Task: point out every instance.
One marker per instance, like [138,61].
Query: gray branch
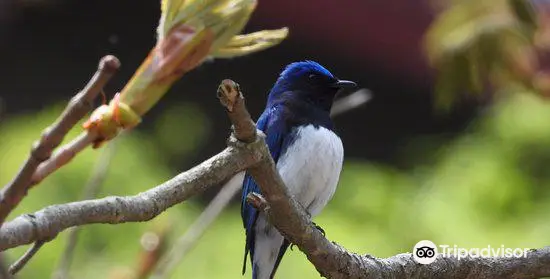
[91,189]
[247,150]
[535,265]
[190,238]
[42,149]
[50,221]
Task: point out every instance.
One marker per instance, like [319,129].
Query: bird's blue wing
[271,124]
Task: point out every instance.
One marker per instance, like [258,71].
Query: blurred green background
[473,176]
[487,187]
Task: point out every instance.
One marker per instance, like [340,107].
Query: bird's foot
[321,230]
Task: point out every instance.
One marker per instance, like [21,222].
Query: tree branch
[62,156]
[231,97]
[187,241]
[535,265]
[333,261]
[336,262]
[52,136]
[19,264]
[330,259]
[50,221]
[90,191]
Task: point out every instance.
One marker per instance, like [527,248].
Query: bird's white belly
[311,167]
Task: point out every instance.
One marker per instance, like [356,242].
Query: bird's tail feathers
[282,251]
[269,247]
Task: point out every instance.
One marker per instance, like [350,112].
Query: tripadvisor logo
[425,252]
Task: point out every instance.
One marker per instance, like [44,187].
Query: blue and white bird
[309,155]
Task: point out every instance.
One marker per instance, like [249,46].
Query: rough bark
[247,150]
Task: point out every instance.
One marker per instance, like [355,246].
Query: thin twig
[62,156]
[91,189]
[186,242]
[350,102]
[52,136]
[19,264]
[47,223]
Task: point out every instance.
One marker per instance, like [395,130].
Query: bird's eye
[312,76]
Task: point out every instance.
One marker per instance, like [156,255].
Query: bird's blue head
[309,82]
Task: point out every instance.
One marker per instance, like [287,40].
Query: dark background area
[50,48]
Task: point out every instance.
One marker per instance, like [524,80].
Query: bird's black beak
[344,84]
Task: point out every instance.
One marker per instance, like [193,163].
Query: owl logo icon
[424,252]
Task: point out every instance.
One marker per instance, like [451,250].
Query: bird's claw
[321,230]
